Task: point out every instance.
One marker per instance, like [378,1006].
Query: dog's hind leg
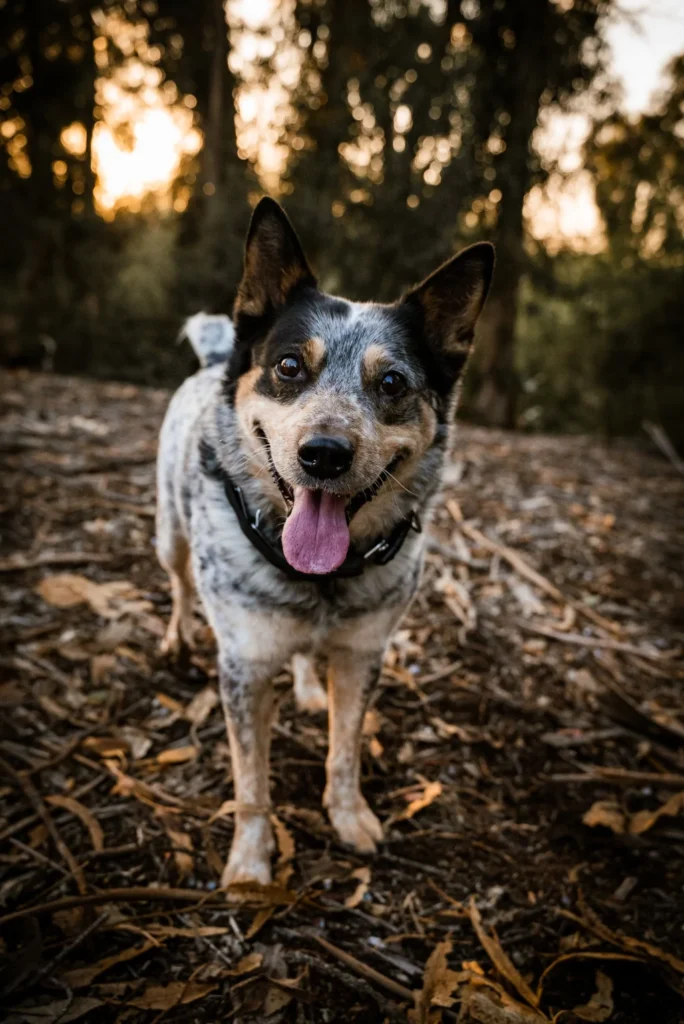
[351,678]
[308,689]
[175,558]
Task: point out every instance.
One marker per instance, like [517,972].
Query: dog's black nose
[326,457]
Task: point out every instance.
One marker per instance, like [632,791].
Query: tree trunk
[496,384]
[220,103]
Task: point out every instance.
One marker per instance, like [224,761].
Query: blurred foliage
[600,338]
[404,130]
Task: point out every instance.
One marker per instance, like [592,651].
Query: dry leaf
[52,707]
[260,919]
[271,895]
[68,803]
[445,730]
[110,600]
[106,746]
[249,963]
[644,820]
[81,977]
[606,813]
[167,931]
[276,999]
[499,958]
[150,795]
[226,808]
[478,1007]
[177,755]
[595,924]
[473,966]
[100,666]
[138,742]
[69,921]
[371,723]
[183,848]
[61,1012]
[65,590]
[176,993]
[286,844]
[201,706]
[170,703]
[363,874]
[439,982]
[431,791]
[600,1006]
[582,954]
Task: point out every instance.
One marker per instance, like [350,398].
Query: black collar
[380,552]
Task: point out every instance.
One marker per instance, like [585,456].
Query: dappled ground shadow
[526,754]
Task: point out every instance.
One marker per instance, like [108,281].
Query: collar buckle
[379,548]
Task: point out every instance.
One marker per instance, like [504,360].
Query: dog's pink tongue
[316,535]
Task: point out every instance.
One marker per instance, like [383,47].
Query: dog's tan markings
[354,665]
[376,358]
[308,690]
[456,328]
[246,385]
[453,296]
[179,631]
[314,352]
[250,739]
[380,447]
[253,646]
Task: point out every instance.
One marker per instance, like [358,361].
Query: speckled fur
[261,619]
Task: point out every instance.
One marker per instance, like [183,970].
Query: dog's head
[341,401]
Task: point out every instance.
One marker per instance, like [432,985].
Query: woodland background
[526,749]
[393,132]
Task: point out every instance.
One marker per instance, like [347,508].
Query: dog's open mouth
[316,535]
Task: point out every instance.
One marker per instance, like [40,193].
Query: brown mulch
[526,754]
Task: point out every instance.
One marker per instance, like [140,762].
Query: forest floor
[526,754]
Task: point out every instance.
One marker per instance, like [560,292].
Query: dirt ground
[526,754]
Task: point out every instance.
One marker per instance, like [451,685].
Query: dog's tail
[211,336]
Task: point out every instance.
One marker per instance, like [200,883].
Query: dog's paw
[250,854]
[308,689]
[239,869]
[356,826]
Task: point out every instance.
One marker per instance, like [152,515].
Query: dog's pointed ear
[451,300]
[274,262]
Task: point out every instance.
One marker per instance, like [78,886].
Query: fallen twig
[595,773]
[517,562]
[591,921]
[136,894]
[594,642]
[34,798]
[31,819]
[363,969]
[76,741]
[19,562]
[349,981]
[65,951]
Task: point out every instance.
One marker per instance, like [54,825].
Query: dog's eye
[392,384]
[289,367]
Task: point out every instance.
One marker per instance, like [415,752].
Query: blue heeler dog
[295,471]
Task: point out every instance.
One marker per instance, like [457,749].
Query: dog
[295,471]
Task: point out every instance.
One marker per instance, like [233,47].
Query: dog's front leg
[352,677]
[248,702]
